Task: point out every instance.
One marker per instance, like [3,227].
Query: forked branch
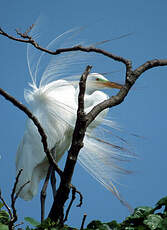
[57,210]
[12,211]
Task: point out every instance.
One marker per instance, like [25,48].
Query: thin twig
[74,191]
[14,197]
[80,196]
[6,206]
[83,221]
[70,204]
[15,184]
[25,34]
[63,50]
[20,189]
[43,192]
[18,225]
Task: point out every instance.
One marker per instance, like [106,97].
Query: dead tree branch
[37,124]
[6,206]
[74,191]
[57,212]
[14,198]
[83,221]
[70,204]
[12,211]
[43,192]
[131,78]
[28,39]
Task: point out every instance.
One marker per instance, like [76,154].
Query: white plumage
[54,102]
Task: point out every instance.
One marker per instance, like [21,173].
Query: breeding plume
[53,100]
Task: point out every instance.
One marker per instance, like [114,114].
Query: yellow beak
[110,84]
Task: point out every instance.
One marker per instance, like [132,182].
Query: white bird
[54,102]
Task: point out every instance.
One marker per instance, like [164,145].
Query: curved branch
[131,78]
[112,101]
[37,124]
[28,39]
[149,65]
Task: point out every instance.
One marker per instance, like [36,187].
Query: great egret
[54,102]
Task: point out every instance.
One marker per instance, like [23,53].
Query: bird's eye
[97,79]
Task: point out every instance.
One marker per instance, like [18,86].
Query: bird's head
[97,81]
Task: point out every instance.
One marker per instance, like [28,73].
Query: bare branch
[2,32]
[83,221]
[81,198]
[57,212]
[149,65]
[112,101]
[37,124]
[6,206]
[74,191]
[28,39]
[25,34]
[43,192]
[20,189]
[14,187]
[131,77]
[14,197]
[137,72]
[70,204]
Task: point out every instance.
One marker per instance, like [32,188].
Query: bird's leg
[53,182]
[43,192]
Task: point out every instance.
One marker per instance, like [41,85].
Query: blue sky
[143,112]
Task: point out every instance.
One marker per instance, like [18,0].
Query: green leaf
[138,216]
[94,224]
[130,228]
[1,205]
[28,228]
[163,224]
[4,217]
[113,224]
[4,227]
[98,225]
[31,221]
[152,221]
[141,212]
[161,202]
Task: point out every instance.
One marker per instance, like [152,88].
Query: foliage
[143,218]
[4,218]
